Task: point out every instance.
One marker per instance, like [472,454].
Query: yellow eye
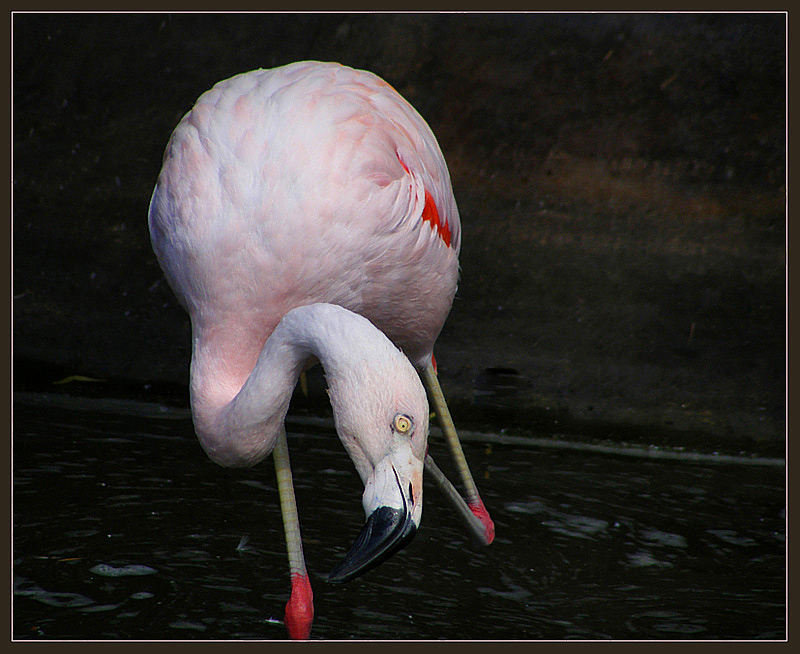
[403,423]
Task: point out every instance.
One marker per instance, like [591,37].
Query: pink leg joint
[299,609]
[477,507]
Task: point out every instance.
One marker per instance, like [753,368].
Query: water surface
[123,529]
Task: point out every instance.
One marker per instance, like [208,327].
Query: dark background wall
[621,182]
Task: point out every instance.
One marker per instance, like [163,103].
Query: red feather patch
[430,213]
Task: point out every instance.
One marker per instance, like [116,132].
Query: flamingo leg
[474,524]
[478,520]
[300,607]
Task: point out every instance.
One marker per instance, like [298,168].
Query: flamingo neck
[237,415]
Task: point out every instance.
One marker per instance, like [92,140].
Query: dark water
[124,530]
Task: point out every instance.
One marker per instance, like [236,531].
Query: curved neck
[238,413]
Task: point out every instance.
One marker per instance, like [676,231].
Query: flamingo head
[381,414]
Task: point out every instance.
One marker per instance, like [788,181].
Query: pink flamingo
[305,214]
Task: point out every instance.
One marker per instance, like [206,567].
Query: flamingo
[305,214]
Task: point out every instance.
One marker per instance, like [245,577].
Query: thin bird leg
[473,498]
[300,607]
[475,526]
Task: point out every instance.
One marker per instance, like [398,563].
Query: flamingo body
[303,184]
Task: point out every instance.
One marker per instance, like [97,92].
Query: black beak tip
[387,531]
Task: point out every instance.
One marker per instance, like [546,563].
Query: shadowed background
[620,180]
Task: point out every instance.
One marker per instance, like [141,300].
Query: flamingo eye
[402,423]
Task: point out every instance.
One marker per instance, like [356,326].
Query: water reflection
[124,529]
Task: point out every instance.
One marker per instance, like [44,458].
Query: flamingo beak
[388,530]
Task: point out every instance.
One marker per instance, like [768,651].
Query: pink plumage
[303,184]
